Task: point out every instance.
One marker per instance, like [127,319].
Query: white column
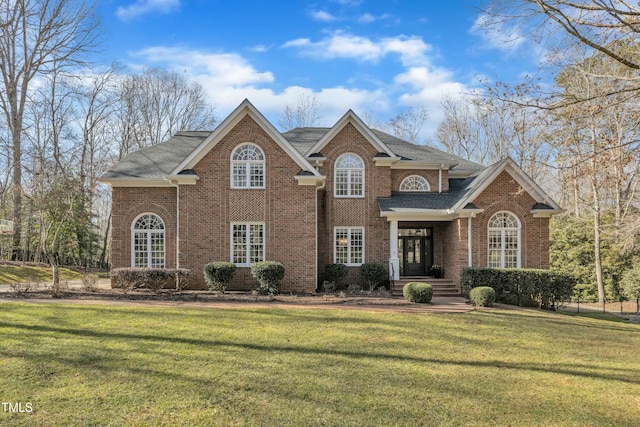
[394,263]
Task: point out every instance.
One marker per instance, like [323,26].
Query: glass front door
[415,251]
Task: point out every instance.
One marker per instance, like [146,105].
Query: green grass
[20,273]
[115,365]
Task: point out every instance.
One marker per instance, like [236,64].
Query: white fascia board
[183,179]
[245,108]
[351,117]
[419,215]
[137,182]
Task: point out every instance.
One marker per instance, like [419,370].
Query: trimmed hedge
[150,278]
[541,288]
[419,292]
[484,296]
[268,274]
[218,274]
[374,274]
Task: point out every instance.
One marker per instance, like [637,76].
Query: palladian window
[349,176]
[148,247]
[414,183]
[504,241]
[247,167]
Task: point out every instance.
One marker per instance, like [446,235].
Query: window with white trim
[247,243]
[147,242]
[349,245]
[349,176]
[415,183]
[504,241]
[247,167]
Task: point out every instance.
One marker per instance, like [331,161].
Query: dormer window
[247,167]
[349,176]
[415,183]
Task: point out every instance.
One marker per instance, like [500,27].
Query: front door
[415,250]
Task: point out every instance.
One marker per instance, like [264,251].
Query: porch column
[394,263]
[469,242]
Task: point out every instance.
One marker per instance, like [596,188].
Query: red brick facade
[299,220]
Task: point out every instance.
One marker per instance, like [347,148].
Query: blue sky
[375,57]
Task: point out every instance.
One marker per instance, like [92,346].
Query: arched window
[147,246]
[414,183]
[349,176]
[247,167]
[504,241]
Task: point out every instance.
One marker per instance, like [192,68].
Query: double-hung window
[247,243]
[348,245]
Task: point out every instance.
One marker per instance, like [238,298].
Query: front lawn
[16,273]
[117,365]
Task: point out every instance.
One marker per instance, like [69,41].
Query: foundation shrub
[374,274]
[419,292]
[483,296]
[218,274]
[150,278]
[335,273]
[269,274]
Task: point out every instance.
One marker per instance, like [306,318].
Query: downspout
[440,179]
[318,188]
[469,241]
[175,184]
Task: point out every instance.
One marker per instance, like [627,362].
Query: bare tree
[407,124]
[36,37]
[304,113]
[158,103]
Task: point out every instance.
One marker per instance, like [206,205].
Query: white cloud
[367,18]
[497,35]
[143,7]
[412,50]
[322,16]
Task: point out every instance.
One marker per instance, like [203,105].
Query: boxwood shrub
[542,288]
[218,274]
[484,296]
[335,273]
[374,274]
[418,292]
[268,274]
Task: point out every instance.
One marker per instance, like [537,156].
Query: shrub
[418,292]
[151,278]
[329,287]
[542,288]
[268,274]
[58,289]
[335,272]
[374,274]
[89,282]
[218,275]
[484,296]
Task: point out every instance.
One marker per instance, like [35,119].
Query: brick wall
[505,194]
[287,210]
[128,204]
[354,212]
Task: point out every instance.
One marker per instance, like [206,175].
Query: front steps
[441,287]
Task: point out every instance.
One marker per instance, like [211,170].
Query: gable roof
[244,109]
[351,117]
[462,193]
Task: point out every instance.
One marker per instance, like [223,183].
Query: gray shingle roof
[159,160]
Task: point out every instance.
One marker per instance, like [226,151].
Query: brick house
[314,196]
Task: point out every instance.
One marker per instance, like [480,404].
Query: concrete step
[441,287]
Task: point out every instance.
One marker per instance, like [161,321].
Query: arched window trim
[407,181]
[500,246]
[348,182]
[247,173]
[144,238]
